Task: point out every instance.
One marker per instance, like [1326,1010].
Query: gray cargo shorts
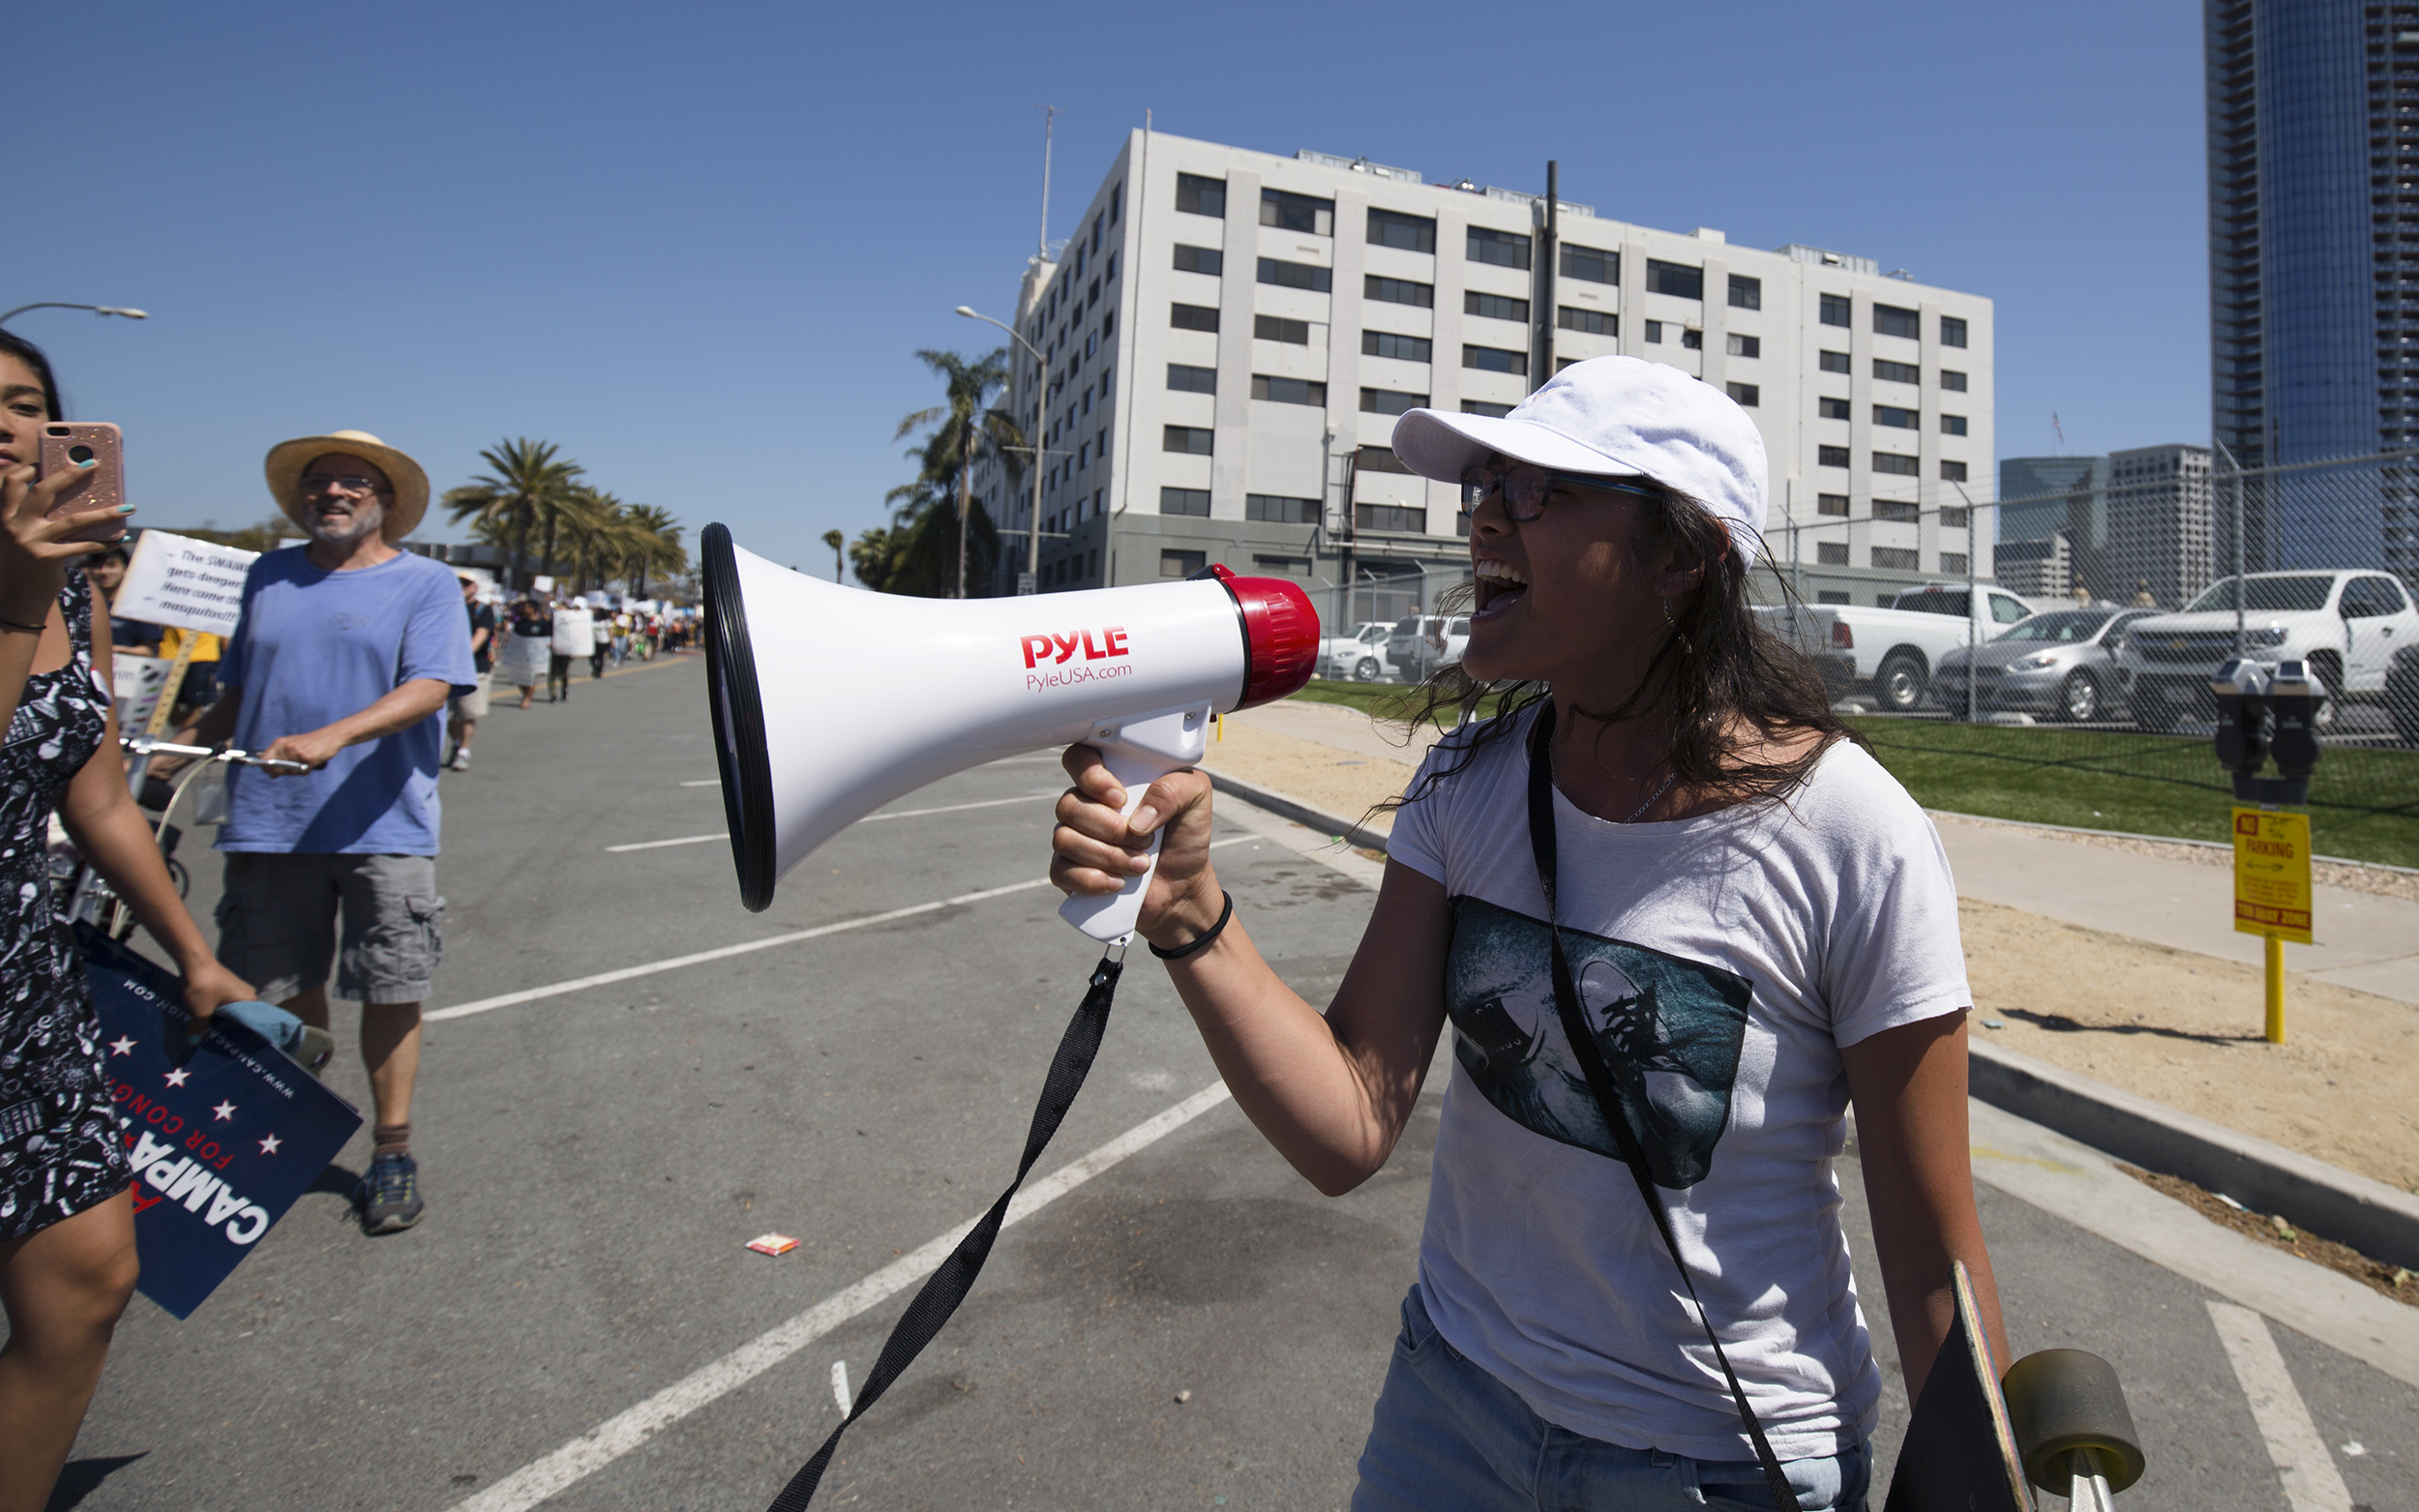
[278,919]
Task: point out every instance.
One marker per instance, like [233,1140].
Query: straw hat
[288,460]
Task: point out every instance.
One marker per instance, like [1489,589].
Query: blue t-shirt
[315,646]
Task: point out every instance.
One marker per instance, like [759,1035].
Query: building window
[1835,311]
[1276,328]
[1892,462]
[1480,406]
[1281,566]
[1393,228]
[1896,372]
[1391,517]
[1117,204]
[1185,501]
[1900,419]
[1596,322]
[1893,320]
[1953,330]
[1289,390]
[1953,472]
[1825,504]
[1835,362]
[1901,511]
[1676,279]
[1894,558]
[1746,395]
[1831,456]
[1185,439]
[1295,275]
[1199,259]
[1952,380]
[1494,358]
[1388,402]
[1745,345]
[1655,332]
[1193,317]
[1952,425]
[1494,307]
[1827,408]
[1953,562]
[1276,510]
[1829,554]
[1691,338]
[1398,292]
[1560,363]
[1402,348]
[1181,564]
[1503,248]
[1297,212]
[1746,293]
[1377,459]
[1831,596]
[1199,195]
[1951,519]
[1593,266]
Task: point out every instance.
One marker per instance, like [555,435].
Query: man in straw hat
[344,659]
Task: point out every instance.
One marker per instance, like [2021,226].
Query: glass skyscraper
[2314,261]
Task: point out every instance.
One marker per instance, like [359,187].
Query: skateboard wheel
[2063,1400]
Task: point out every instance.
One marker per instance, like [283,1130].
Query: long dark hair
[14,346]
[1719,668]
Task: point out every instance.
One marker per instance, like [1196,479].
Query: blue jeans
[1448,1434]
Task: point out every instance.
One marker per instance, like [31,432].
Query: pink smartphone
[65,448]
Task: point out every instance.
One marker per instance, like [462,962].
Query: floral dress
[59,1147]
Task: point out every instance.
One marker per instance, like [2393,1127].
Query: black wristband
[1212,933]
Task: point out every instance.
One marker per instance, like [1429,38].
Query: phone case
[66,444]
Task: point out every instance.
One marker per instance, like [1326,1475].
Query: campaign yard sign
[181,581]
[224,1137]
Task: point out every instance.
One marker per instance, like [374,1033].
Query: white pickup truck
[1889,654]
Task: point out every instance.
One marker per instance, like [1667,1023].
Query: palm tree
[527,481]
[835,540]
[942,495]
[653,546]
[875,555]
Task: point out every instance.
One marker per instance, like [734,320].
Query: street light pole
[1032,533]
[97,309]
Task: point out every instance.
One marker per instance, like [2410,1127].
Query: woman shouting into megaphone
[1679,920]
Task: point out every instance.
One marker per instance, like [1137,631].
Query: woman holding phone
[1726,926]
[67,1229]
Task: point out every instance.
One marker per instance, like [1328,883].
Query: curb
[2161,840]
[2373,1218]
[2339,1205]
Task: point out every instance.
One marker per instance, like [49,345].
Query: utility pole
[1542,341]
[965,495]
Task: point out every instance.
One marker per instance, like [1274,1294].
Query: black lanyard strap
[1583,1045]
[948,1286]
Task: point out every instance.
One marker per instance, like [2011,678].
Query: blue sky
[699,245]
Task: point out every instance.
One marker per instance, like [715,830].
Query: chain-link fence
[2070,626]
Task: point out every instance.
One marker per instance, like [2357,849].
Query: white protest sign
[140,680]
[177,580]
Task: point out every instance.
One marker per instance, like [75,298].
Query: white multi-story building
[1229,336]
[2161,534]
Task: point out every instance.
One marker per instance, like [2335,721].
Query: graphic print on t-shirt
[1668,1028]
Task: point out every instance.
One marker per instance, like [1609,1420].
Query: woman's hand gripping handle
[1112,872]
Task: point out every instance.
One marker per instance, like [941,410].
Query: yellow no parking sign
[2272,874]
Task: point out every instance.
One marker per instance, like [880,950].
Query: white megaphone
[940,685]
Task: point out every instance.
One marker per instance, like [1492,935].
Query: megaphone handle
[1136,753]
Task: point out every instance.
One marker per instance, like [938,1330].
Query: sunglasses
[1525,487]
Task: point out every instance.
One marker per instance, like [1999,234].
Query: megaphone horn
[922,688]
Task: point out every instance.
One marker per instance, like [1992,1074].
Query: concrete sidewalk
[2367,943]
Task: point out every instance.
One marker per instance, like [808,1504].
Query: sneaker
[461,759]
[389,1195]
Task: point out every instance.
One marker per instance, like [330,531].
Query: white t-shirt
[1723,961]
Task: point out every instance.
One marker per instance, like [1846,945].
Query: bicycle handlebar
[145,747]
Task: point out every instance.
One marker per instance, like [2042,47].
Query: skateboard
[2057,1419]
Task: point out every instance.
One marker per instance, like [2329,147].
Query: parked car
[1890,654]
[1359,657]
[2402,694]
[1423,642]
[2061,663]
[2347,625]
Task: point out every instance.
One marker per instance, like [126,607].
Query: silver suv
[2347,625]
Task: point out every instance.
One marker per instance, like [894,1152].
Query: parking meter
[2241,686]
[2294,695]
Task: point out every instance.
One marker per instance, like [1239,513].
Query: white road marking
[617,1436]
[791,938]
[2311,1483]
[840,1386]
[893,813]
[705,782]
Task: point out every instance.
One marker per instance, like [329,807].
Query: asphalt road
[595,1161]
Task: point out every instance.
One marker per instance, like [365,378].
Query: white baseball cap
[1619,416]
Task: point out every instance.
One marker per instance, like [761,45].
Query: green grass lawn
[2363,804]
